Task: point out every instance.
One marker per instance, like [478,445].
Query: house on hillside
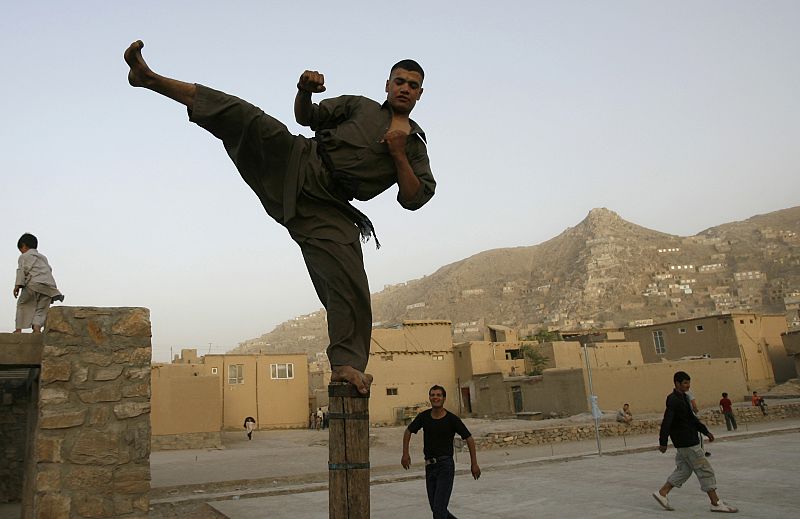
[753,338]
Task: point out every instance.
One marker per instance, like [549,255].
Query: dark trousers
[264,151]
[439,483]
[337,272]
[730,420]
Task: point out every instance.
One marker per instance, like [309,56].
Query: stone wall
[91,451]
[15,402]
[201,440]
[545,436]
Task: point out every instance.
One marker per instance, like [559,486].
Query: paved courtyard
[756,474]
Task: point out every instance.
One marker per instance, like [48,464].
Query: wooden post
[348,452]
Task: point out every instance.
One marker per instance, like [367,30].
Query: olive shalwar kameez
[306,185]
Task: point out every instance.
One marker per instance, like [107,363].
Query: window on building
[437,357]
[236,374]
[681,330]
[281,371]
[214,371]
[699,328]
[391,391]
[387,357]
[658,341]
[741,321]
[513,354]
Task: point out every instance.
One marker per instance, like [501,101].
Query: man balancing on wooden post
[360,150]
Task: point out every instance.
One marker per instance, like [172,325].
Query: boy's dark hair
[444,391]
[680,376]
[409,65]
[724,395]
[29,240]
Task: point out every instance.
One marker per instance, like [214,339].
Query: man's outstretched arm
[311,82]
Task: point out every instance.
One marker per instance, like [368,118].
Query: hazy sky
[677,115]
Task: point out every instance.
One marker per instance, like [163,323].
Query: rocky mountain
[604,272]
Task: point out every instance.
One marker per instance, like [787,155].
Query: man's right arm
[311,82]
[405,461]
[666,424]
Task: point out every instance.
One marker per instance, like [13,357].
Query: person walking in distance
[726,408]
[682,426]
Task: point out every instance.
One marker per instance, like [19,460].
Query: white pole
[593,402]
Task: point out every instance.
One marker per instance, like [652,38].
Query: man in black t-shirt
[440,427]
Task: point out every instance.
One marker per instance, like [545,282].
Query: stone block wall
[546,436]
[91,450]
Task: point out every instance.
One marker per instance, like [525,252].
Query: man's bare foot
[140,73]
[17,331]
[350,374]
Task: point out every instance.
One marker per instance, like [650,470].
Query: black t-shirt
[438,434]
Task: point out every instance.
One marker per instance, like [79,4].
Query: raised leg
[140,75]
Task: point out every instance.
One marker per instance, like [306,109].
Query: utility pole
[596,413]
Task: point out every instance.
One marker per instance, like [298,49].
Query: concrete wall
[91,445]
[753,338]
[569,354]
[783,366]
[490,398]
[274,403]
[717,338]
[409,375]
[755,351]
[186,407]
[282,403]
[559,391]
[791,343]
[646,387]
[406,362]
[492,357]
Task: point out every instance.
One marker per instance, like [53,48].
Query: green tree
[535,361]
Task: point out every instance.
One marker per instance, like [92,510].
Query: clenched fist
[396,141]
[311,81]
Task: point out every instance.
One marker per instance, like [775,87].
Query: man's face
[683,387]
[625,407]
[403,90]
[436,397]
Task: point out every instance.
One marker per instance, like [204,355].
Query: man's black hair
[409,65]
[444,391]
[724,395]
[680,376]
[29,240]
